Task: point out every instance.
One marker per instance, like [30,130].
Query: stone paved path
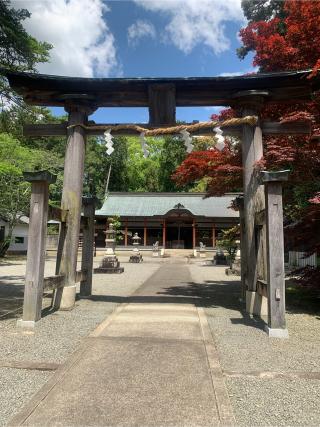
[151,363]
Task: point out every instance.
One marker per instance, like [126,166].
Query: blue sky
[140,38]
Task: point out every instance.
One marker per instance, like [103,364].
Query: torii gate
[262,208]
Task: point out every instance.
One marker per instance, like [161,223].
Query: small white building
[19,241]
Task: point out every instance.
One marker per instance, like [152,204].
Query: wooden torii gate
[261,212]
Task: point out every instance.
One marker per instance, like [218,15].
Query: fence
[296,259]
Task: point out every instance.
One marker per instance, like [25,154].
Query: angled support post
[240,205]
[88,204]
[272,181]
[33,291]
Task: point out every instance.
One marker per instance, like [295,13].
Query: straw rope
[195,127]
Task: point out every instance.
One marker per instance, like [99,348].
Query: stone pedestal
[136,256]
[110,263]
[220,258]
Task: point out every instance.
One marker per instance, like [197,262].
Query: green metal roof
[158,204]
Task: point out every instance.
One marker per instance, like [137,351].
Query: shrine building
[175,220]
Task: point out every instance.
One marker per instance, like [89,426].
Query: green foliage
[19,50]
[262,10]
[228,242]
[143,172]
[172,155]
[115,221]
[15,192]
[14,118]
[97,164]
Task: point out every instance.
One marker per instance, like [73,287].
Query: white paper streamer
[220,139]
[143,143]
[109,143]
[187,140]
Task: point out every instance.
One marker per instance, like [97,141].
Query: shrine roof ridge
[159,204]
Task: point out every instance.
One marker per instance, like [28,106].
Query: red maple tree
[287,38]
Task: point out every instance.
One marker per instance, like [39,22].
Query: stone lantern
[110,262]
[136,256]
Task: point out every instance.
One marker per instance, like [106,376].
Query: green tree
[97,164]
[15,192]
[18,50]
[228,242]
[172,155]
[143,171]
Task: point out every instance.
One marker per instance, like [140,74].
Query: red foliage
[293,43]
[289,43]
[280,44]
[223,168]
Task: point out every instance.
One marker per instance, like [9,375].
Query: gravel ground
[16,388]
[244,346]
[58,334]
[278,402]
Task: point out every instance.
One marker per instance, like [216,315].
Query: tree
[143,171]
[221,169]
[14,199]
[283,36]
[172,154]
[18,50]
[228,242]
[286,38]
[15,192]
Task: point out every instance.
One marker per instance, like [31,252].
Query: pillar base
[68,298]
[276,333]
[26,324]
[256,303]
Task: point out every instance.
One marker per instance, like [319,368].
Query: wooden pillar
[194,234]
[213,235]
[252,151]
[164,234]
[126,233]
[72,201]
[37,233]
[275,252]
[88,204]
[243,254]
[145,233]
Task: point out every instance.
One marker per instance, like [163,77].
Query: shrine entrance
[179,234]
[260,205]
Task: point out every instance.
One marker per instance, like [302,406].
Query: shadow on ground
[209,294]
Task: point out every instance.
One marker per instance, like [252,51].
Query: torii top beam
[49,90]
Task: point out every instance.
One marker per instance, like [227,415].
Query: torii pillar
[251,103]
[33,291]
[272,181]
[72,200]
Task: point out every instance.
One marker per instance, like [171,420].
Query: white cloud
[139,30]
[82,42]
[193,22]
